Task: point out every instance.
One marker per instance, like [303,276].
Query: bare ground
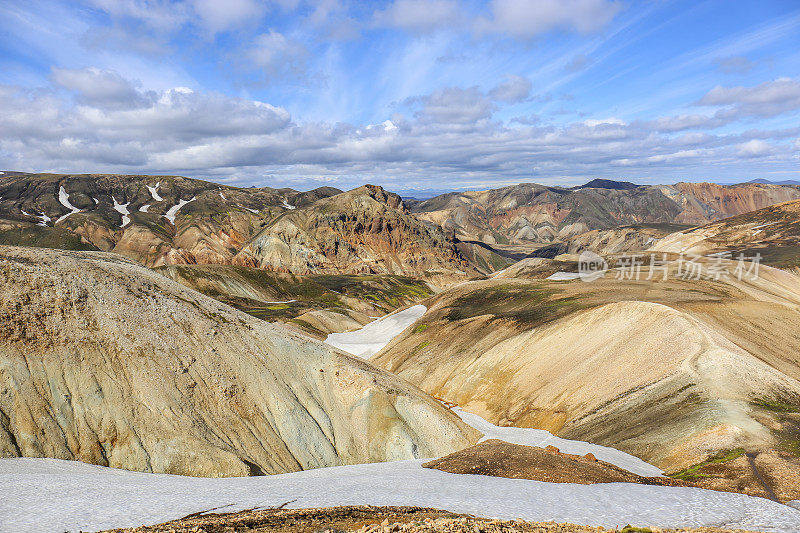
[503,459]
[369,519]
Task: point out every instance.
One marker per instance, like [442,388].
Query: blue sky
[411,94]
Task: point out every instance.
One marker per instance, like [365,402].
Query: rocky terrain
[154,220]
[107,362]
[690,367]
[366,230]
[495,457]
[371,519]
[531,213]
[166,220]
[772,232]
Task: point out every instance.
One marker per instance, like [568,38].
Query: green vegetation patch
[40,237]
[420,328]
[387,292]
[695,471]
[527,305]
[633,529]
[777,406]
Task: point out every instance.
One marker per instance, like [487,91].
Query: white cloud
[100,88]
[219,16]
[577,63]
[766,99]
[734,65]
[513,89]
[420,16]
[277,56]
[452,136]
[604,121]
[159,15]
[525,19]
[454,105]
[685,122]
[754,148]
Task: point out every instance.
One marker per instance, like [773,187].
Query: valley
[349,338]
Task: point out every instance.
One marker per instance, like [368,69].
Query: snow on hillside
[63,199]
[154,191]
[173,211]
[563,276]
[54,495]
[122,209]
[370,339]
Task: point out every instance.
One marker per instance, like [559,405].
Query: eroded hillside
[107,362]
[672,371]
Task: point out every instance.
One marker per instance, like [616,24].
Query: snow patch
[254,211]
[25,213]
[370,339]
[175,208]
[43,220]
[763,225]
[63,199]
[285,204]
[563,276]
[96,201]
[154,191]
[144,208]
[56,495]
[222,195]
[123,210]
[498,273]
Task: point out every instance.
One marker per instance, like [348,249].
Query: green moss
[633,529]
[528,305]
[777,406]
[420,328]
[695,471]
[41,237]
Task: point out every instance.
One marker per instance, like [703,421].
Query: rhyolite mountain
[365,230]
[153,220]
[105,361]
[531,213]
[772,232]
[171,220]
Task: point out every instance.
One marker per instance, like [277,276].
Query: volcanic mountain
[366,230]
[772,232]
[153,220]
[530,213]
[105,361]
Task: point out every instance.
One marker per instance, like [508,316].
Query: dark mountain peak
[608,184]
[768,182]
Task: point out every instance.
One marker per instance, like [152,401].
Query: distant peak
[607,184]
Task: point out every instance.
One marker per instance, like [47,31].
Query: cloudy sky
[410,94]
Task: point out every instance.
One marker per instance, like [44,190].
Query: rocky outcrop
[363,231]
[107,362]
